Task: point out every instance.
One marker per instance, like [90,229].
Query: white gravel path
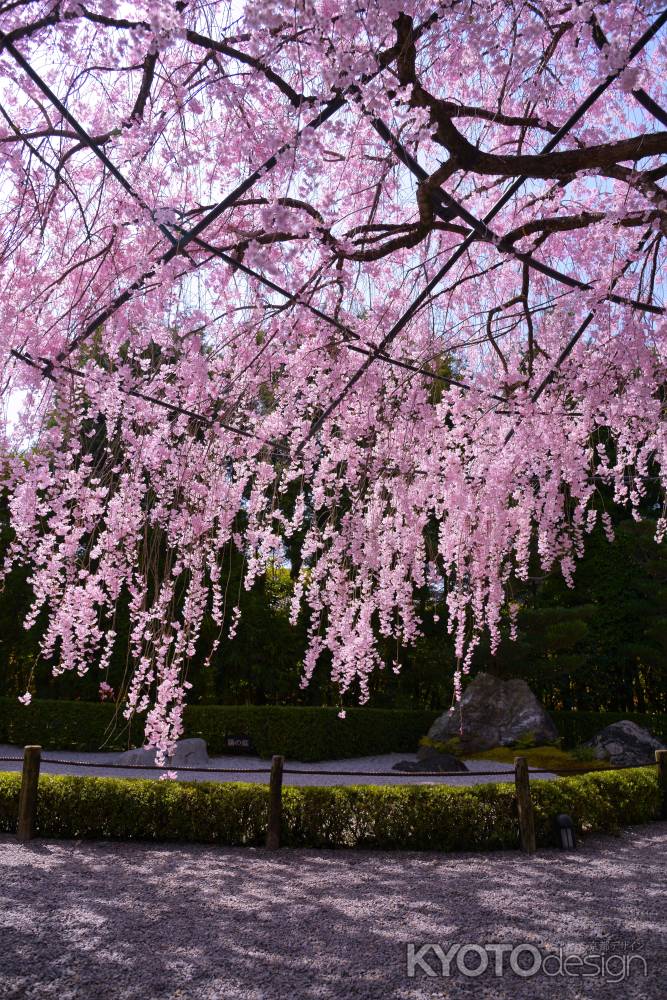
[382,762]
[113,921]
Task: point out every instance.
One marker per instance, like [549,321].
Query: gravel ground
[382,762]
[124,921]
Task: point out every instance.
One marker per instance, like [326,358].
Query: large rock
[433,761]
[625,744]
[188,753]
[493,713]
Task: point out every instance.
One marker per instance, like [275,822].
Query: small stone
[433,762]
[188,753]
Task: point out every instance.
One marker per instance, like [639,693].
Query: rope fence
[315,771]
[32,761]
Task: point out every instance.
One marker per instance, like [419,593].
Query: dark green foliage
[601,645]
[297,732]
[262,664]
[310,734]
[66,725]
[18,646]
[129,809]
[435,817]
[302,733]
[578,727]
[421,817]
[599,802]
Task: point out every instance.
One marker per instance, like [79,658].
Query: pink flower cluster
[255,388]
[106,692]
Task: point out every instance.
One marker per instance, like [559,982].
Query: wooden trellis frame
[445,206]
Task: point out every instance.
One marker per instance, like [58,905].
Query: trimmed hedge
[137,809]
[422,817]
[300,733]
[473,818]
[65,725]
[310,734]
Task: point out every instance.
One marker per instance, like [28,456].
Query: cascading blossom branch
[379,286]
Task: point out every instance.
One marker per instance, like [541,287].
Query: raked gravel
[382,762]
[129,921]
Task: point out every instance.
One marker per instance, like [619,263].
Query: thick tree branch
[466,156]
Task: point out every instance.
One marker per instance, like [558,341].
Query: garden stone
[493,713]
[188,753]
[625,744]
[434,761]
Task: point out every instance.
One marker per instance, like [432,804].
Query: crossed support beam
[574,118]
[178,243]
[445,206]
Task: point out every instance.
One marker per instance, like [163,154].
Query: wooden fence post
[275,803]
[28,796]
[524,806]
[661,761]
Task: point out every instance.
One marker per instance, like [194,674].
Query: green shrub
[526,741]
[419,817]
[583,753]
[599,802]
[452,745]
[136,809]
[310,734]
[301,733]
[66,725]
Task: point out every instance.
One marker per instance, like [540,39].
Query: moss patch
[549,758]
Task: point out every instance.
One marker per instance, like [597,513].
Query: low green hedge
[422,817]
[131,809]
[473,818]
[65,725]
[300,733]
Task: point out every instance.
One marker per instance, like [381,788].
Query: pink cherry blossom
[106,692]
[388,288]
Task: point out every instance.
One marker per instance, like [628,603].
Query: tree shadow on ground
[122,921]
